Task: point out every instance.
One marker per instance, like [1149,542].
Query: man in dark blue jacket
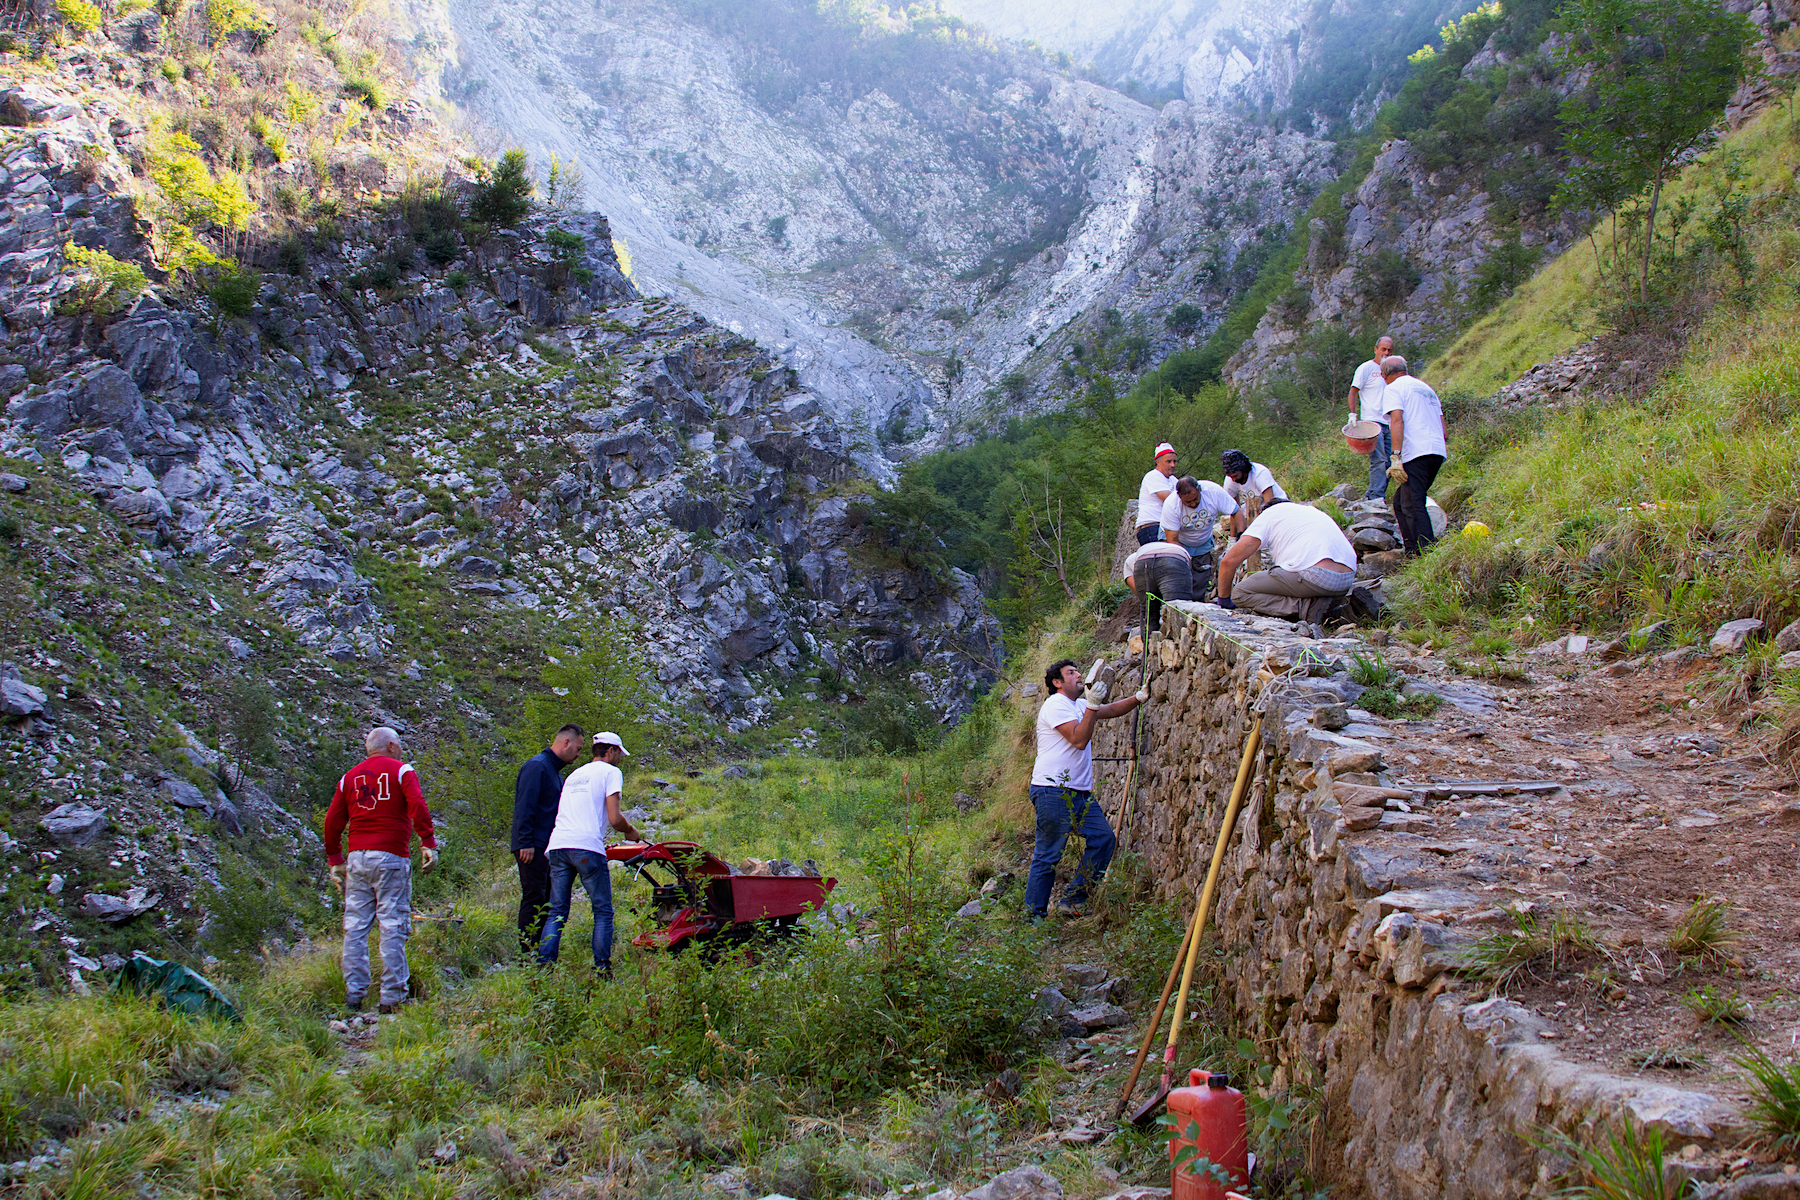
[535,798]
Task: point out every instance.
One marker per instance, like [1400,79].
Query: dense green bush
[234,290]
[503,196]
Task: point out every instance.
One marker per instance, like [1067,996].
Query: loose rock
[74,824]
[1733,635]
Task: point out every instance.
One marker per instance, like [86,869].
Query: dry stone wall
[1339,929]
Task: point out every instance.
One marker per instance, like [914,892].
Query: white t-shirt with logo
[1260,477]
[1368,384]
[1295,536]
[1422,414]
[1060,764]
[1195,525]
[1149,507]
[581,814]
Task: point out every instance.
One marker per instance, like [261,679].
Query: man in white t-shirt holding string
[1365,405]
[1062,790]
[592,796]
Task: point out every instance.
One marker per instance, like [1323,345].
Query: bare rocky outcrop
[678,468]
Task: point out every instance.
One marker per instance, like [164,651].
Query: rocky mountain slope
[955,204]
[388,480]
[1453,213]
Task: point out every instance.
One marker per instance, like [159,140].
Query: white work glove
[340,877]
[427,859]
[1142,695]
[1395,471]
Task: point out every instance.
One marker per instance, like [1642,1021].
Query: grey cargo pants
[378,888]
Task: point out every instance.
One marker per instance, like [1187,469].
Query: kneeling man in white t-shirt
[1314,565]
[1062,790]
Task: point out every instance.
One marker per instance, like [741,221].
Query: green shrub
[234,290]
[1184,318]
[104,284]
[367,89]
[1386,278]
[80,16]
[457,279]
[226,17]
[503,196]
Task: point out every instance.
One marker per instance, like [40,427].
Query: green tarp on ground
[181,989]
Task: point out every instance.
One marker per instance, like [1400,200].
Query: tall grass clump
[1774,1099]
[1704,931]
[1536,947]
[1629,1166]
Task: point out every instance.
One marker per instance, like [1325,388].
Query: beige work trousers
[1291,595]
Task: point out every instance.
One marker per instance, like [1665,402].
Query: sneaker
[1071,910]
[1365,605]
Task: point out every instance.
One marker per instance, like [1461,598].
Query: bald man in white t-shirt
[1313,565]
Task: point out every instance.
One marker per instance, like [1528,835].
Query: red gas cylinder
[1211,1138]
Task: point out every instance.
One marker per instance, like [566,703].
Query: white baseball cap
[611,739]
[1164,448]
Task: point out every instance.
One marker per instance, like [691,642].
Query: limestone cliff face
[904,243]
[516,421]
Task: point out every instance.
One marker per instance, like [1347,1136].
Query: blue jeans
[1061,810]
[597,881]
[1378,464]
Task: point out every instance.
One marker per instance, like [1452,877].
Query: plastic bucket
[1362,435]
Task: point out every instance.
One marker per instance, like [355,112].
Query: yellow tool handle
[1162,1006]
[1251,746]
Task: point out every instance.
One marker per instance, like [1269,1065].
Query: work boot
[390,1009]
[353,1005]
[1365,605]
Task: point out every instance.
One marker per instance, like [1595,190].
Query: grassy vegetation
[1538,945]
[855,1061]
[1774,1089]
[1627,1166]
[1704,931]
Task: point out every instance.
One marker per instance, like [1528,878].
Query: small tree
[1659,73]
[103,284]
[1184,318]
[565,186]
[503,197]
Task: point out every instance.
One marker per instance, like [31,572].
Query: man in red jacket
[380,803]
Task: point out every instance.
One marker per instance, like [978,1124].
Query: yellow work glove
[427,858]
[1395,471]
[340,876]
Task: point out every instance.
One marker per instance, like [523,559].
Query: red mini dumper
[698,901]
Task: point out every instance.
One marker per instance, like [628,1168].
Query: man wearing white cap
[591,797]
[1158,484]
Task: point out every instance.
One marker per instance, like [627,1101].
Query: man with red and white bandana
[380,804]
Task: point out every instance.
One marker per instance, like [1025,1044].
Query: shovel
[1147,1112]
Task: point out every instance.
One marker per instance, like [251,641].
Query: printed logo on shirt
[360,788]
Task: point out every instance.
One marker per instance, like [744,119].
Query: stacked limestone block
[1339,942]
